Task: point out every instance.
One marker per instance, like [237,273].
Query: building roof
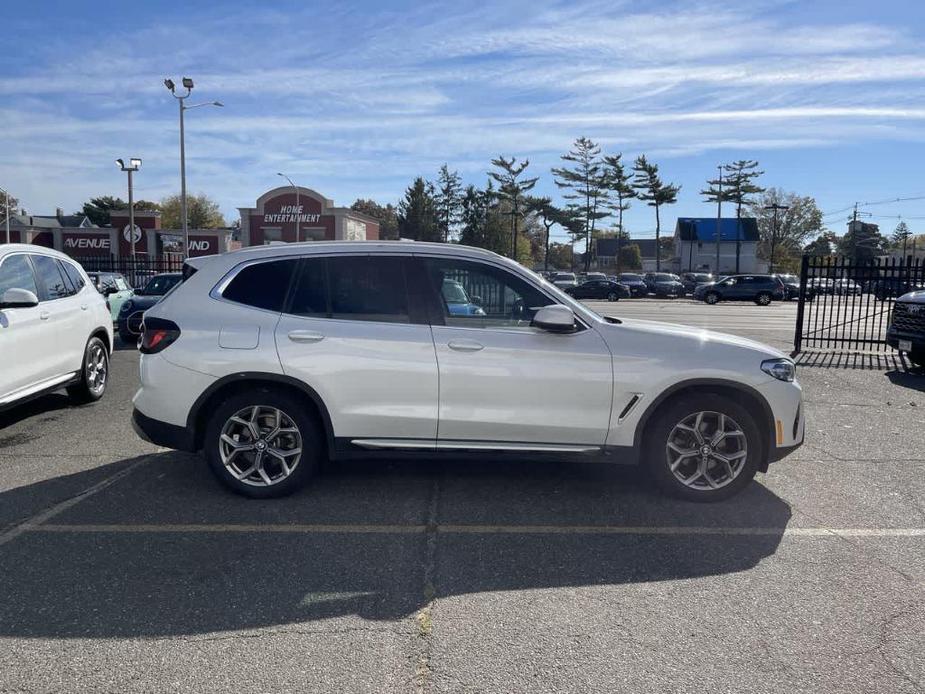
[704,229]
[49,221]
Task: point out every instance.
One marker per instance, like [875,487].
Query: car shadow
[165,551]
[47,406]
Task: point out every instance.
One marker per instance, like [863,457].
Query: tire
[613,297]
[917,357]
[94,373]
[711,298]
[685,408]
[763,299]
[233,417]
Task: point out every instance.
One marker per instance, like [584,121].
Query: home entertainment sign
[290,214]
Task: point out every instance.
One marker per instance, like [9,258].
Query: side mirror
[555,319]
[109,290]
[476,300]
[18,298]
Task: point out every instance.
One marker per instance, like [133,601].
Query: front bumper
[894,336]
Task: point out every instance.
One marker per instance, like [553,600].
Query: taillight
[157,335]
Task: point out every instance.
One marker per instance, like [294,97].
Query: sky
[355,99]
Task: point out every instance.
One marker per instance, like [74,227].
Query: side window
[368,288]
[310,297]
[68,282]
[74,275]
[487,297]
[49,277]
[262,285]
[16,273]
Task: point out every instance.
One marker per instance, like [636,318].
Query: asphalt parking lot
[128,569]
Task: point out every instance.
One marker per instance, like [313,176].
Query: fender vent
[629,406]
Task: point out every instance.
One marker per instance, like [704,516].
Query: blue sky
[355,99]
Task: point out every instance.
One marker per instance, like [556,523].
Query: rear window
[262,285]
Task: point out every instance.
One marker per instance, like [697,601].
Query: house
[695,245]
[605,253]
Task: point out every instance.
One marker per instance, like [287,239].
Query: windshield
[701,277]
[453,293]
[663,277]
[565,277]
[630,277]
[161,284]
[788,278]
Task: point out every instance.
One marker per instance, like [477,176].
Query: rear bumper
[161,433]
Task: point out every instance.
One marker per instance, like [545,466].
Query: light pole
[774,207]
[7,223]
[188,86]
[719,216]
[298,213]
[130,168]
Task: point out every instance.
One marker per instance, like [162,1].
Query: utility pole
[8,215]
[719,216]
[776,207]
[133,165]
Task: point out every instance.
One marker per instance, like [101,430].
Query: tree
[655,193]
[559,256]
[862,243]
[585,182]
[387,216]
[822,245]
[202,212]
[619,182]
[11,203]
[448,201]
[795,225]
[901,236]
[549,215]
[417,213]
[739,182]
[631,257]
[98,210]
[511,189]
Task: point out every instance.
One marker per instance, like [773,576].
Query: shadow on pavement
[49,405]
[895,361]
[88,575]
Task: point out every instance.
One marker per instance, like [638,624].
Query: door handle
[305,336]
[465,345]
[44,315]
[83,307]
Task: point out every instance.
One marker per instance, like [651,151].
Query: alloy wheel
[260,445]
[97,368]
[706,450]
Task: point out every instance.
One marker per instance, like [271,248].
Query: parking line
[59,508]
[412,529]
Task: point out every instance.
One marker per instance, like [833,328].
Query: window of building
[271,234]
[262,285]
[49,277]
[16,273]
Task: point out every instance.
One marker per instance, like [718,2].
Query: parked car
[458,302]
[634,282]
[792,288]
[588,276]
[846,287]
[906,331]
[664,284]
[821,285]
[114,289]
[690,280]
[269,359]
[564,279]
[132,312]
[890,287]
[55,330]
[599,289]
[761,289]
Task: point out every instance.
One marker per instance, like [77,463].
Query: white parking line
[401,529]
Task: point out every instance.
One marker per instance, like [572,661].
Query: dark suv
[761,289]
[690,280]
[907,326]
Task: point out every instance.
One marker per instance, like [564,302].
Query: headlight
[781,369]
[127,306]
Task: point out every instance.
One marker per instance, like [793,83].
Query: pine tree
[739,181]
[618,181]
[655,193]
[448,201]
[512,190]
[901,235]
[588,195]
[417,216]
[549,215]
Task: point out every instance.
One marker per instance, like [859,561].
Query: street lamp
[7,223]
[297,213]
[188,86]
[132,166]
[776,208]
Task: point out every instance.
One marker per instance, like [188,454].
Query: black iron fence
[136,271]
[847,305]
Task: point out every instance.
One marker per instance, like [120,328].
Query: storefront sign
[86,244]
[291,214]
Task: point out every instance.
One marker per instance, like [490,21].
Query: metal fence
[138,270]
[848,305]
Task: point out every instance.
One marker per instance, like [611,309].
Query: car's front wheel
[763,299]
[613,296]
[263,444]
[917,357]
[711,297]
[703,447]
[94,373]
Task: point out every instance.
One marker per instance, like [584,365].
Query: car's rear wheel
[613,296]
[703,447]
[763,299]
[711,297]
[94,373]
[917,357]
[263,444]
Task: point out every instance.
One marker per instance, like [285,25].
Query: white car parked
[269,359]
[55,329]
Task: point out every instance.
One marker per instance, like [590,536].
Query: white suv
[55,329]
[270,359]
